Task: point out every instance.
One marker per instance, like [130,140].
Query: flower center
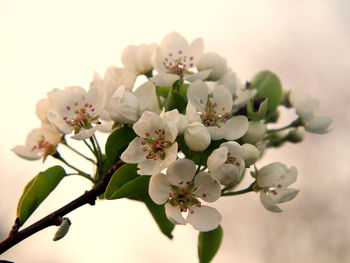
[232,160]
[155,144]
[210,117]
[178,63]
[83,117]
[41,144]
[183,196]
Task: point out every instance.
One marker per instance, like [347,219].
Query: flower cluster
[195,128]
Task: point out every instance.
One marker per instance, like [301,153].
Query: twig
[89,197]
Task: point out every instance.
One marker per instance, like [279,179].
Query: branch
[54,219]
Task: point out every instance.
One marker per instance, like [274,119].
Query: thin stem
[295,123]
[54,219]
[243,191]
[98,145]
[79,153]
[92,150]
[80,172]
[200,163]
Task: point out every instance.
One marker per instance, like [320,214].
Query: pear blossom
[155,148]
[40,143]
[180,188]
[179,119]
[272,181]
[75,110]
[126,106]
[305,106]
[214,111]
[226,162]
[176,56]
[139,58]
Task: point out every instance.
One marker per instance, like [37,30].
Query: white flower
[155,148]
[273,181]
[139,58]
[74,109]
[176,56]
[164,79]
[215,111]
[39,144]
[226,162]
[216,63]
[180,192]
[197,136]
[305,107]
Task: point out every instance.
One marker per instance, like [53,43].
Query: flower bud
[215,62]
[251,154]
[197,136]
[295,135]
[62,229]
[255,133]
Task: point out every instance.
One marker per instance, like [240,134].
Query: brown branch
[54,219]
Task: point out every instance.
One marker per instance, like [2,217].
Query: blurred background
[53,44]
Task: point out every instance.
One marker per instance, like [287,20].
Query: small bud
[197,136]
[295,135]
[255,133]
[62,229]
[251,154]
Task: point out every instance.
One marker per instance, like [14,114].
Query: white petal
[149,167]
[236,127]
[230,81]
[208,188]
[218,64]
[202,75]
[197,95]
[147,97]
[41,109]
[181,171]
[164,79]
[197,136]
[217,158]
[192,113]
[234,148]
[284,195]
[170,130]
[173,213]
[134,152]
[26,152]
[96,97]
[196,49]
[318,124]
[217,133]
[159,188]
[84,133]
[204,218]
[227,174]
[170,156]
[223,98]
[149,122]
[268,203]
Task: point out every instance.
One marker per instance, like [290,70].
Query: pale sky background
[53,44]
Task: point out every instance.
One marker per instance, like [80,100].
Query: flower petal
[159,188]
[217,158]
[192,113]
[268,203]
[236,127]
[164,79]
[149,123]
[208,188]
[170,156]
[204,218]
[197,95]
[223,98]
[227,174]
[182,170]
[147,98]
[85,133]
[134,152]
[284,195]
[173,213]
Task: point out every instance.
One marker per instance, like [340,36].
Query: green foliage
[260,113]
[125,182]
[117,142]
[268,86]
[208,244]
[37,190]
[158,213]
[177,97]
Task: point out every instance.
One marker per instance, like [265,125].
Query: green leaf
[260,113]
[208,244]
[162,91]
[117,142]
[176,97]
[125,182]
[158,213]
[268,86]
[37,190]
